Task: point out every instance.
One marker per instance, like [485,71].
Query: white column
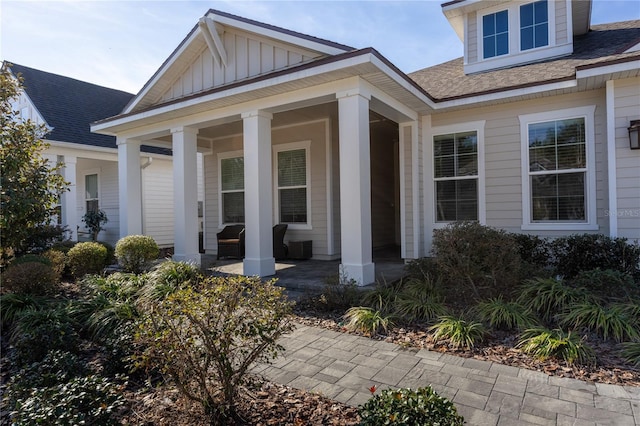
[129,187]
[612,172]
[69,201]
[355,187]
[258,194]
[185,193]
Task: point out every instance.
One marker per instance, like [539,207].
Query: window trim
[588,114]
[472,126]
[224,156]
[306,145]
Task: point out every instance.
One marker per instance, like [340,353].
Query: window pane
[541,134]
[502,44]
[457,200]
[489,47]
[232,173]
[233,207]
[526,38]
[467,165]
[542,35]
[91,186]
[526,15]
[541,159]
[502,22]
[445,167]
[292,168]
[558,197]
[443,145]
[571,157]
[293,205]
[540,11]
[92,206]
[466,142]
[571,131]
[488,25]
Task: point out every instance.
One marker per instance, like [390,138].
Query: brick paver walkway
[343,366]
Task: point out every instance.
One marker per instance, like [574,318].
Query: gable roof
[603,45]
[69,106]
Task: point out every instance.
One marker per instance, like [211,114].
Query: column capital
[257,113]
[121,140]
[184,129]
[356,91]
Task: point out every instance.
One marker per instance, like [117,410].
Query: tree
[29,185]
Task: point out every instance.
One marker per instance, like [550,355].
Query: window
[534,25]
[232,188]
[559,179]
[495,34]
[91,193]
[456,176]
[292,183]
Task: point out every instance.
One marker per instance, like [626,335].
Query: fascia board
[608,69]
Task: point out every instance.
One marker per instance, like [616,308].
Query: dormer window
[495,34]
[534,25]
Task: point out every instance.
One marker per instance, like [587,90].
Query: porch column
[355,187]
[258,194]
[129,187]
[69,199]
[185,193]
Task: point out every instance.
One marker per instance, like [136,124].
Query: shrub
[608,283]
[550,296]
[577,253]
[168,277]
[533,249]
[87,258]
[30,258]
[206,340]
[57,260]
[135,252]
[34,278]
[419,300]
[543,343]
[36,332]
[422,268]
[631,352]
[13,304]
[619,321]
[460,333]
[339,293]
[505,315]
[82,400]
[367,320]
[43,237]
[409,407]
[111,252]
[93,220]
[477,258]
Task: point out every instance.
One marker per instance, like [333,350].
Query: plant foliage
[134,252]
[460,332]
[419,300]
[619,321]
[550,296]
[93,220]
[631,352]
[505,315]
[544,343]
[367,320]
[409,407]
[87,258]
[34,278]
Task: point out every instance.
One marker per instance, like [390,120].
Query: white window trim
[306,145]
[586,112]
[223,156]
[515,55]
[473,126]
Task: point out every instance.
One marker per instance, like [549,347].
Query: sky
[120,44]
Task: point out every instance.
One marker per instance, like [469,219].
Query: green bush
[543,343]
[58,262]
[422,268]
[619,321]
[549,297]
[93,221]
[339,293]
[480,261]
[460,332]
[608,284]
[36,332]
[505,315]
[30,258]
[419,300]
[168,277]
[533,249]
[631,352]
[584,252]
[82,400]
[34,278]
[409,407]
[367,320]
[87,258]
[134,252]
[206,340]
[111,252]
[13,304]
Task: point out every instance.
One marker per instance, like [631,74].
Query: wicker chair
[231,242]
[279,247]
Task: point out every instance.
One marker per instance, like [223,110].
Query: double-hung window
[292,183]
[534,25]
[558,169]
[495,34]
[231,167]
[91,193]
[456,174]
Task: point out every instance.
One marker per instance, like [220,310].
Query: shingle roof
[604,43]
[69,105]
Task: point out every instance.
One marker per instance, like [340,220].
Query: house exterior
[67,107]
[527,132]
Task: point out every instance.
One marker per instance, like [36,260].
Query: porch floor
[301,277]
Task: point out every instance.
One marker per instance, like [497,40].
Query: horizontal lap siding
[503,153]
[561,22]
[627,108]
[107,192]
[158,202]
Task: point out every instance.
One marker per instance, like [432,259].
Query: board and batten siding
[503,184]
[627,108]
[247,56]
[157,207]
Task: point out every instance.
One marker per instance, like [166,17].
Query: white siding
[157,190]
[627,108]
[472,38]
[248,55]
[561,22]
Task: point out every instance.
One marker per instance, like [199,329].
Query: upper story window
[495,34]
[534,25]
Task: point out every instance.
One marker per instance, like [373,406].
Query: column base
[260,267]
[189,257]
[361,274]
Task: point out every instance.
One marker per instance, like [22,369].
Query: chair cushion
[229,241]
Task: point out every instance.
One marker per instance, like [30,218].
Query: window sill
[559,227]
